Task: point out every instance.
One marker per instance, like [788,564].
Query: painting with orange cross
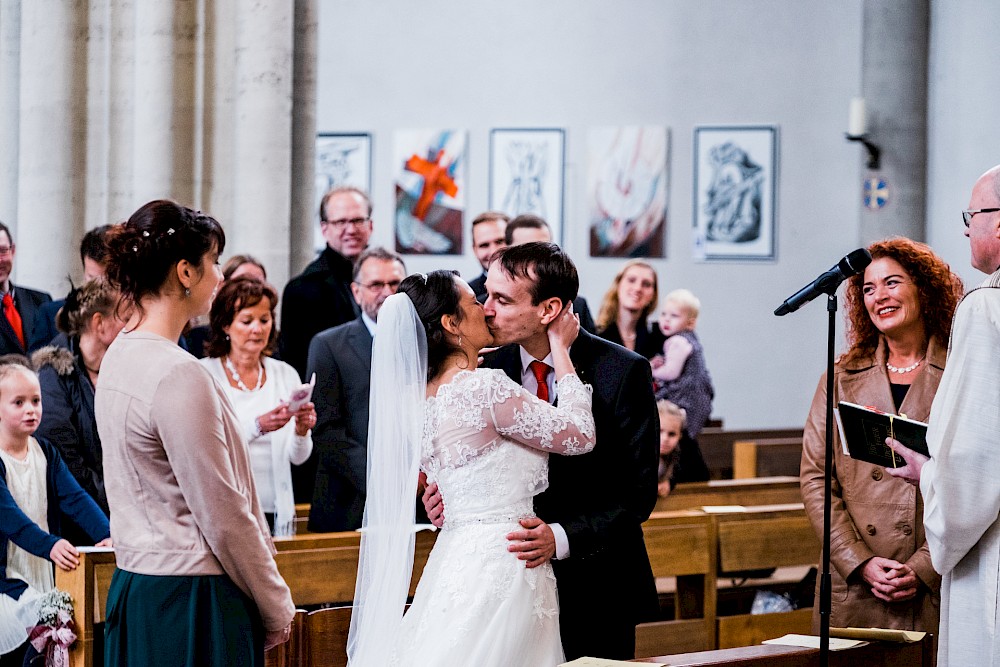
[430,191]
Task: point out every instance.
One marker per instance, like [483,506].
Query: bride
[485,441]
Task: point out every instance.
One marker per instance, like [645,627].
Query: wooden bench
[755,491]
[319,568]
[766,457]
[682,545]
[761,538]
[716,445]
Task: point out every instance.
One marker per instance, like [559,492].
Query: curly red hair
[939,289]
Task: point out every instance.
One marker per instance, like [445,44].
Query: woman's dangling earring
[460,340]
[187,291]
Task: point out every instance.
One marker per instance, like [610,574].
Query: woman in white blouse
[242,336]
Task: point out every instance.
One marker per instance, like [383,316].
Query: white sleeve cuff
[562,542]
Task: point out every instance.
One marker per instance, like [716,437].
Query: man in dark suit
[487,238]
[320,297]
[590,518]
[18,305]
[341,357]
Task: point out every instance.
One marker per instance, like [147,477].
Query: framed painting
[735,176]
[526,174]
[626,192]
[430,176]
[341,159]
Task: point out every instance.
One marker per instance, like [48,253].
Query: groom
[590,518]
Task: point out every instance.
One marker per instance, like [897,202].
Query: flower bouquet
[54,633]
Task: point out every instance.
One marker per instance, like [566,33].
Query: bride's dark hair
[434,295]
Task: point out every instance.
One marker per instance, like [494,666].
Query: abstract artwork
[734,192]
[430,182]
[627,190]
[526,174]
[341,159]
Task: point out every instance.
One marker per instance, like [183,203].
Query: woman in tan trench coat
[899,313]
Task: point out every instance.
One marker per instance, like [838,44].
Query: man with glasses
[959,482]
[341,359]
[320,297]
[19,304]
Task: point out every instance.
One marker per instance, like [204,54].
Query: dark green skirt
[179,621]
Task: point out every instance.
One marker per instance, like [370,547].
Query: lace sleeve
[564,429]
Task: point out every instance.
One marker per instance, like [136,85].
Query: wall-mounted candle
[857,121]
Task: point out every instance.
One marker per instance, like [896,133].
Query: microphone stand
[824,586]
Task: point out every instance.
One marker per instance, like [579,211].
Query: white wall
[573,64]
[963,127]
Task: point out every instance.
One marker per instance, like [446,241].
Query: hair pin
[423,276]
[170,231]
[145,233]
[135,247]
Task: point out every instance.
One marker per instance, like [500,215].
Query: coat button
[907,530]
[877,474]
[870,529]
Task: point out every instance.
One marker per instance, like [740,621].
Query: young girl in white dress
[36,492]
[485,441]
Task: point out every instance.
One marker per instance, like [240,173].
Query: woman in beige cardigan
[899,312]
[196,581]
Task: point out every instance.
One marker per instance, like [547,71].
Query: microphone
[828,281]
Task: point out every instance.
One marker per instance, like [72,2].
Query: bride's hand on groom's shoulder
[535,545]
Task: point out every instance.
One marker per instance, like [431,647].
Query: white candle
[857,122]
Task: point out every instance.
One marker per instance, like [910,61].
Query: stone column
[10,84]
[304,218]
[52,132]
[894,85]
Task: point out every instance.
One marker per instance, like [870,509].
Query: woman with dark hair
[485,441]
[196,581]
[626,307]
[242,336]
[68,376]
[899,313]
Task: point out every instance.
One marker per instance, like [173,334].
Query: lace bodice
[486,442]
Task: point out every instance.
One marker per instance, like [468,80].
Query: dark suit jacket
[45,324]
[313,301]
[341,357]
[478,286]
[27,301]
[601,499]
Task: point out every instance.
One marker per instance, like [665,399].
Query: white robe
[961,484]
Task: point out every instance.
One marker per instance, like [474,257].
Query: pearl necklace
[906,369]
[239,380]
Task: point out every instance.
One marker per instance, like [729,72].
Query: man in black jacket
[320,297]
[18,305]
[590,518]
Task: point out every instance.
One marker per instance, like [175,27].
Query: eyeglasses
[967,215]
[6,250]
[378,286]
[355,222]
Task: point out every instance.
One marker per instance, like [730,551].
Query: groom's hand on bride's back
[433,505]
[535,544]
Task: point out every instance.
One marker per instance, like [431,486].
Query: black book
[863,432]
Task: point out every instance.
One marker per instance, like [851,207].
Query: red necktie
[14,318]
[541,372]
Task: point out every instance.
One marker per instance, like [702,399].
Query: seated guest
[627,304]
[242,334]
[19,305]
[341,358]
[527,227]
[93,255]
[68,376]
[671,429]
[899,316]
[487,237]
[196,334]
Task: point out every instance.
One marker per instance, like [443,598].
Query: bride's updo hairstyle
[144,249]
[434,295]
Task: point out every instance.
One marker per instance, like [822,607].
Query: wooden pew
[756,491]
[318,568]
[762,538]
[717,445]
[766,457]
[682,545]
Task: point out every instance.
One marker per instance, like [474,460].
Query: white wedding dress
[486,442]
